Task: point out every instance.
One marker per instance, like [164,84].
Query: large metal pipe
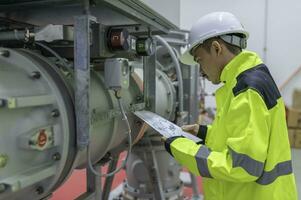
[38,140]
[16,35]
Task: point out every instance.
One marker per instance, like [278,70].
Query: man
[245,153]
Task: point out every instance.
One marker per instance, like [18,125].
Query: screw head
[39,190]
[4,53]
[56,156]
[36,75]
[55,113]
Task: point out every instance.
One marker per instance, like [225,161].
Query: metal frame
[82,78]
[134,10]
[82,42]
[149,77]
[142,13]
[94,191]
[149,80]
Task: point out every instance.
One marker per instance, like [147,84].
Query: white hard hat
[212,25]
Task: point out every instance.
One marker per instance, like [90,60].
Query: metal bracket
[82,44]
[18,182]
[149,80]
[29,101]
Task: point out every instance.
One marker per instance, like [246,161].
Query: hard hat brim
[187,59]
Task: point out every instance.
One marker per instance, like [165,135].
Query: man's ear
[216,48]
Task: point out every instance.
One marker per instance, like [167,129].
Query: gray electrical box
[117,73]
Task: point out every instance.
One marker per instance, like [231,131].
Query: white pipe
[163,42]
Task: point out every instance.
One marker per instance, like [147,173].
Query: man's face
[209,65]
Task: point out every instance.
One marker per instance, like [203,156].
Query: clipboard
[163,126]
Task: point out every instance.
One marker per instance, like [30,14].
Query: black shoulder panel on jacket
[259,79]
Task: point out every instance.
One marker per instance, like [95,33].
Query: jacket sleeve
[246,136]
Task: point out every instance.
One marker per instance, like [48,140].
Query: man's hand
[191,128]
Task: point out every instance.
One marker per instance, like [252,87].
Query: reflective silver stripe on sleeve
[201,159]
[253,167]
[283,168]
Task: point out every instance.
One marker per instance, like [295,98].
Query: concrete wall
[277,42]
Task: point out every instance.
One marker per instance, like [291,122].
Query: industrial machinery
[71,74]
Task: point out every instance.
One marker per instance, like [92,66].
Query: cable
[124,117]
[66,65]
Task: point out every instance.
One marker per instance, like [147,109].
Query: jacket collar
[243,61]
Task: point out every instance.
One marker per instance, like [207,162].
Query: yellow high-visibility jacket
[246,153]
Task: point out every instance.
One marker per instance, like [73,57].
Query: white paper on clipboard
[163,126]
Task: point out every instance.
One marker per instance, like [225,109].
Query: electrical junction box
[117,73]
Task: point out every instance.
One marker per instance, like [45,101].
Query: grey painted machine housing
[38,172]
